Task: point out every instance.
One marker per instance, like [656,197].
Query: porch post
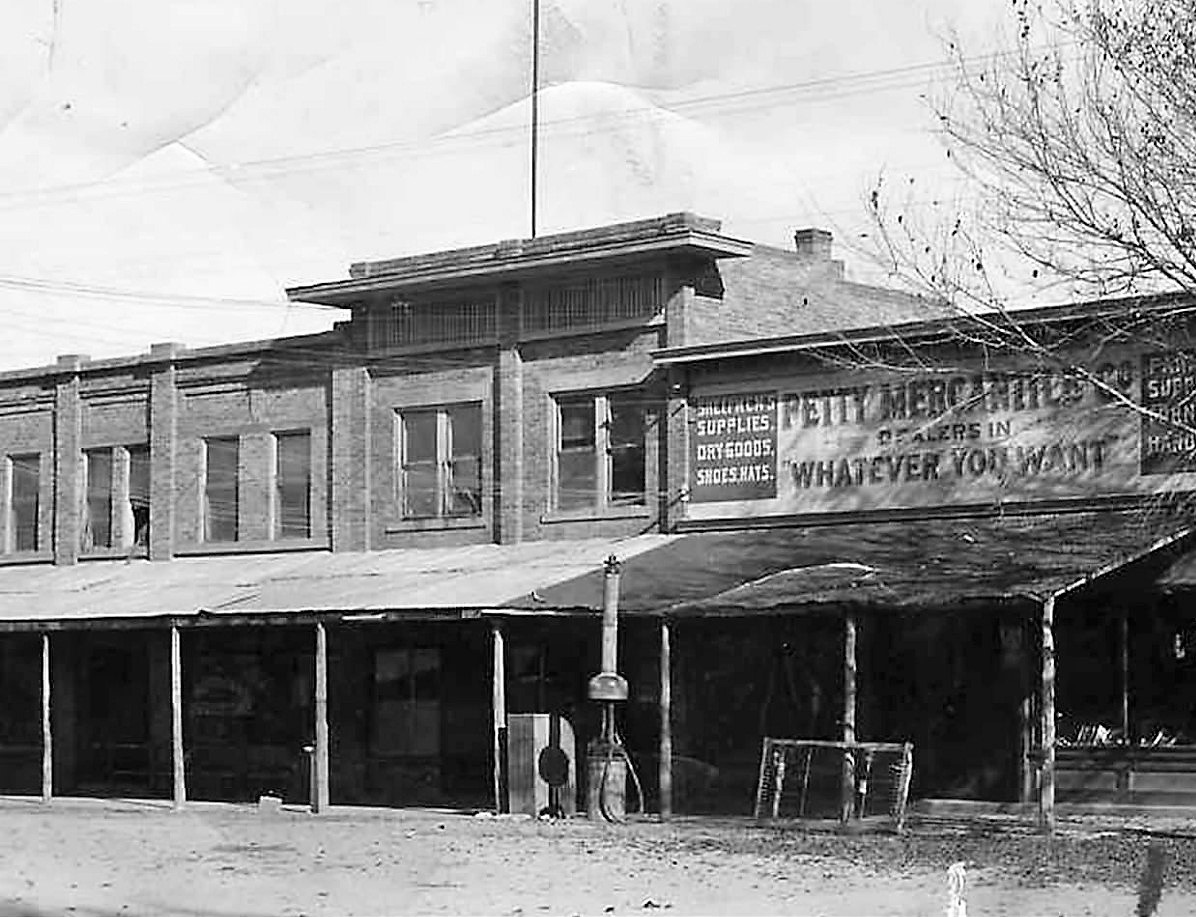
[1025,716]
[1046,786]
[47,735]
[849,705]
[1125,676]
[320,769]
[666,720]
[498,697]
[176,718]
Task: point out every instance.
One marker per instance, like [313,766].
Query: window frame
[603,500]
[444,461]
[123,502]
[11,540]
[87,544]
[277,502]
[205,495]
[132,498]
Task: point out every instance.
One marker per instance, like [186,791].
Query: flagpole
[535,106]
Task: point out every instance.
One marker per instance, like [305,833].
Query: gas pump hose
[603,807]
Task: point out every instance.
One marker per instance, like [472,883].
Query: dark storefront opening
[20,713]
[1127,700]
[953,683]
[737,680]
[247,701]
[110,713]
[409,712]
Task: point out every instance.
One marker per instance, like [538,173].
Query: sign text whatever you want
[908,440]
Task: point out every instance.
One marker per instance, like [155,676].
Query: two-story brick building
[213,558]
[837,514]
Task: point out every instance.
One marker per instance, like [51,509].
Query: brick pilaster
[679,306]
[68,460]
[350,496]
[508,421]
[164,421]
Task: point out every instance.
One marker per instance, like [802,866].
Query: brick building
[371,546]
[222,547]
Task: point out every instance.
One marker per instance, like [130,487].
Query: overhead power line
[174,300]
[831,87]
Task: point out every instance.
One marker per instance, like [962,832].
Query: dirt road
[95,859]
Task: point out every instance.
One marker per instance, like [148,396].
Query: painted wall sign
[735,447]
[860,441]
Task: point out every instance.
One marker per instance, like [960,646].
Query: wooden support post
[1125,676]
[319,797]
[1025,715]
[849,705]
[47,734]
[498,705]
[666,721]
[1046,784]
[176,719]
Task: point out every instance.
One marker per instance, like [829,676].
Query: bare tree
[1077,150]
[1079,146]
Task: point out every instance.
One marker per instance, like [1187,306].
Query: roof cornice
[676,233]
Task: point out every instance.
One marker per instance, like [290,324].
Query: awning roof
[450,579]
[930,564]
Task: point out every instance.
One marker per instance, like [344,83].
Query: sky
[169,167]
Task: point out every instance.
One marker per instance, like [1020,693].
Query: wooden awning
[941,564]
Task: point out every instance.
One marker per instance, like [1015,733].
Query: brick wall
[775,292]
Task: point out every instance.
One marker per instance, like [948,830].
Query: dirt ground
[83,857]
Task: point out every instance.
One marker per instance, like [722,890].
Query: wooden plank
[666,722]
[1046,786]
[761,777]
[178,765]
[47,733]
[498,706]
[320,768]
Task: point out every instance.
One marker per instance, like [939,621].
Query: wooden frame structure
[775,759]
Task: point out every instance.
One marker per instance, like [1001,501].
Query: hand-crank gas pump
[607,761]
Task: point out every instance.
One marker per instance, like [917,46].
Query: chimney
[813,244]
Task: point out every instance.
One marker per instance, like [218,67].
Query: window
[220,489]
[138,497]
[600,452]
[97,510]
[407,701]
[577,455]
[23,502]
[116,498]
[440,470]
[292,485]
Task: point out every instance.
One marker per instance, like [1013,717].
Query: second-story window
[222,456]
[138,497]
[116,498]
[292,484]
[24,501]
[97,521]
[440,464]
[600,455]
